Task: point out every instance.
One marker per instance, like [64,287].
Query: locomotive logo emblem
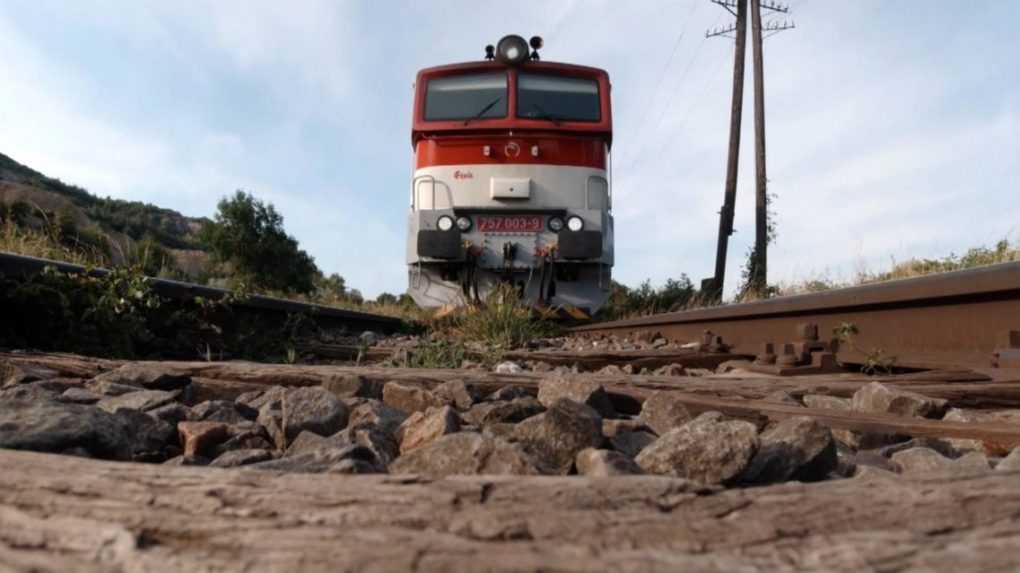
[463,174]
[512,149]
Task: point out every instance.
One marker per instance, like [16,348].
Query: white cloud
[889,136]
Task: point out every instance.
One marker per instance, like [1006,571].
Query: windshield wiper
[545,114]
[482,111]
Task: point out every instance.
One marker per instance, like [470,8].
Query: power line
[648,136]
[662,75]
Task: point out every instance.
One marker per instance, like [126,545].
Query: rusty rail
[962,319]
[12,264]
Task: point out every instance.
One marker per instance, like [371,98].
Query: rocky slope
[119,222]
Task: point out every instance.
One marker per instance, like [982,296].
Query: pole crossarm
[775,7]
[774,27]
[730,5]
[724,31]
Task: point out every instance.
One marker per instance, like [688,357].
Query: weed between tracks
[481,333]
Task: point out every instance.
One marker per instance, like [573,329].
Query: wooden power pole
[759,278]
[733,157]
[761,208]
[759,275]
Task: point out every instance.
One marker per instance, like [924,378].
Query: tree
[354,295]
[248,234]
[386,298]
[332,287]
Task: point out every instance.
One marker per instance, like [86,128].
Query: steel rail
[949,320]
[13,265]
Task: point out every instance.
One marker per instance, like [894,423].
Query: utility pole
[714,288]
[759,275]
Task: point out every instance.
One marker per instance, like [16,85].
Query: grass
[36,243]
[482,332]
[1003,252]
[433,353]
[503,322]
[680,294]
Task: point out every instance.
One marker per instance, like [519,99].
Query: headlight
[445,223]
[464,224]
[555,224]
[575,223]
[512,49]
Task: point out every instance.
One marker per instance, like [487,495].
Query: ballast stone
[630,443]
[876,397]
[457,394]
[555,436]
[235,458]
[508,367]
[200,438]
[709,449]
[377,414]
[142,400]
[314,409]
[662,412]
[256,399]
[577,389]
[926,460]
[351,459]
[50,426]
[466,453]
[1010,462]
[990,446]
[223,411]
[847,437]
[151,438]
[512,411]
[508,393]
[424,428]
[80,396]
[797,448]
[409,399]
[605,463]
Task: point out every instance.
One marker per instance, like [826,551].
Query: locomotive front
[511,181]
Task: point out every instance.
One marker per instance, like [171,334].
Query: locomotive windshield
[475,96]
[557,98]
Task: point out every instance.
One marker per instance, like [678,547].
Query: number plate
[510,224]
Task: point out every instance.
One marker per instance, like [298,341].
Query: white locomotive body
[511,182]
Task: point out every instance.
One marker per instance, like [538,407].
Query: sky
[892,125]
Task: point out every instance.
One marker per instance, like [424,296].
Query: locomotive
[511,181]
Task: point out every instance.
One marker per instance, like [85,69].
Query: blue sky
[892,125]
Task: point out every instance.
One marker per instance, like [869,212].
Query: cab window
[474,96]
[557,98]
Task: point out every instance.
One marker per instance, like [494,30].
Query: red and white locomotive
[511,180]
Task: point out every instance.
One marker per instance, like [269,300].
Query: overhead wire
[665,68]
[665,109]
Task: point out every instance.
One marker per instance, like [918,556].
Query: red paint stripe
[573,151]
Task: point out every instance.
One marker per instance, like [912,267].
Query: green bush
[248,235]
[675,294]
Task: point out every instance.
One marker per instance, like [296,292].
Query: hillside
[112,228]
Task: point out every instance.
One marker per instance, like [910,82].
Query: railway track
[965,319]
[13,265]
